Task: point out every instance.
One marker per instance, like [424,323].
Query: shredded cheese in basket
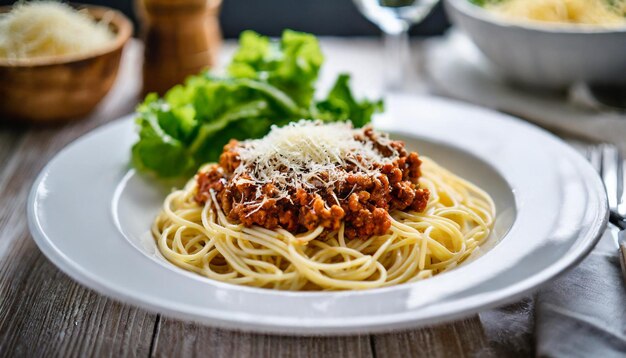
[49,29]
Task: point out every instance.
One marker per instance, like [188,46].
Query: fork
[608,160]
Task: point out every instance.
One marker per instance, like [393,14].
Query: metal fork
[608,160]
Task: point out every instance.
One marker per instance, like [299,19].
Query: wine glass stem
[397,57]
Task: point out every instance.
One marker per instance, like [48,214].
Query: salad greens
[484,2]
[268,83]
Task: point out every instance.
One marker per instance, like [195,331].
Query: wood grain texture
[460,339]
[179,339]
[9,140]
[44,313]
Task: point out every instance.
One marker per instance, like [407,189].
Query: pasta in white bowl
[545,54]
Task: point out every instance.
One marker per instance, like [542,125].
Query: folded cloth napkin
[510,329]
[580,314]
[583,313]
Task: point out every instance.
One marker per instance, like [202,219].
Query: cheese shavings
[308,155]
[49,29]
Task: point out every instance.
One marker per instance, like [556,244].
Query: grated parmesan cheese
[49,29]
[307,154]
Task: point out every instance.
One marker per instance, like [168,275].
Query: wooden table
[45,313]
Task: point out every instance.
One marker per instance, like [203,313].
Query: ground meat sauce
[362,202]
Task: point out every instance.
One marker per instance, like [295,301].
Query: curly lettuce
[268,83]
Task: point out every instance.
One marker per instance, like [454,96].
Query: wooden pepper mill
[182,38]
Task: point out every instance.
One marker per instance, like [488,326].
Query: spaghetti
[587,12]
[457,218]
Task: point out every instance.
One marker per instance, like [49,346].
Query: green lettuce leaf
[268,83]
[485,2]
[341,105]
[291,65]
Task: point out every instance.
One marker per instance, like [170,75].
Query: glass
[394,18]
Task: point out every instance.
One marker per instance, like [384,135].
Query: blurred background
[271,17]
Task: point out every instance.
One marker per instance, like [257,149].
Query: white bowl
[544,55]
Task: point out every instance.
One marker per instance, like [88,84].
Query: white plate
[89,214]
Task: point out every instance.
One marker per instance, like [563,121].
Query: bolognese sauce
[372,183]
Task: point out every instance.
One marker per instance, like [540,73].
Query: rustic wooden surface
[44,313]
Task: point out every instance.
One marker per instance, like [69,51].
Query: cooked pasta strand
[458,218]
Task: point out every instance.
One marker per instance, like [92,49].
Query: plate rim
[384,322]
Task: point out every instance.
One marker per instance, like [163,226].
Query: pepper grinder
[181,37]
